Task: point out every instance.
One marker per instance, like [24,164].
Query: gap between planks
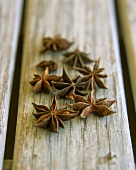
[10,14]
[127,25]
[127,16]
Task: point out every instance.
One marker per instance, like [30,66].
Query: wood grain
[10,14]
[97,143]
[127,15]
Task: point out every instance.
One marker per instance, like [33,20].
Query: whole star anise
[68,87]
[76,58]
[93,75]
[42,83]
[99,107]
[57,43]
[52,65]
[51,117]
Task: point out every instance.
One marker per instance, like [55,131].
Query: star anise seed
[93,75]
[99,107]
[57,43]
[42,83]
[76,58]
[52,65]
[68,87]
[51,117]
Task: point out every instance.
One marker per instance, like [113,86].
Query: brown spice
[51,64]
[57,43]
[51,117]
[100,106]
[42,83]
[76,58]
[68,87]
[93,75]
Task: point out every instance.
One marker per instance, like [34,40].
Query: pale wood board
[7,164]
[10,15]
[127,15]
[83,144]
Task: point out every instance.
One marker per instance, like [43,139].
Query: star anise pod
[57,43]
[76,58]
[93,75]
[52,65]
[68,87]
[51,117]
[42,83]
[99,107]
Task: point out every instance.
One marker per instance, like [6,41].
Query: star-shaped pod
[51,117]
[93,75]
[52,65]
[42,83]
[57,43]
[76,58]
[68,87]
[99,107]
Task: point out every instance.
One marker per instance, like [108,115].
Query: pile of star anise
[73,89]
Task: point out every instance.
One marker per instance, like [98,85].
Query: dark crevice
[11,128]
[127,83]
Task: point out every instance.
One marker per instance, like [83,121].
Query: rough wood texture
[7,164]
[10,12]
[97,143]
[127,14]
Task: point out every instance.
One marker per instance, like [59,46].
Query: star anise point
[52,117]
[76,58]
[68,87]
[57,43]
[51,64]
[43,83]
[93,75]
[99,107]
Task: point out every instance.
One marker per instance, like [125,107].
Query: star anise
[100,106]
[76,58]
[93,75]
[42,83]
[68,87]
[51,117]
[57,43]
[52,65]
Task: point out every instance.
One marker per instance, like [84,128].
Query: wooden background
[97,143]
[10,19]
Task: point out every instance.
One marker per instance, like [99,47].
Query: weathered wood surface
[10,12]
[7,164]
[127,15]
[97,143]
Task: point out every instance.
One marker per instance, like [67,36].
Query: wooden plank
[10,14]
[7,164]
[97,143]
[127,16]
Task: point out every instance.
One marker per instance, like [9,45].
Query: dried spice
[76,58]
[57,43]
[42,83]
[93,75]
[99,107]
[68,87]
[52,65]
[51,117]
